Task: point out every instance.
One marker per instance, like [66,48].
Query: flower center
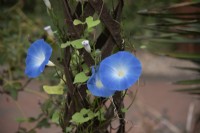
[39,59]
[121,73]
[99,84]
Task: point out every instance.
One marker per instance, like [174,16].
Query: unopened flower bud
[98,52]
[50,63]
[49,31]
[86,45]
[47,3]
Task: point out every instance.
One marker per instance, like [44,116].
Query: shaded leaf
[188,56]
[80,78]
[20,120]
[43,123]
[180,40]
[69,129]
[55,117]
[100,114]
[192,90]
[188,82]
[13,89]
[85,68]
[124,110]
[188,68]
[83,116]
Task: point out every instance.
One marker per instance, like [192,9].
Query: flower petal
[120,71]
[96,87]
[37,57]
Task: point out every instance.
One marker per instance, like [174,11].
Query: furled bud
[49,31]
[47,3]
[86,45]
[50,63]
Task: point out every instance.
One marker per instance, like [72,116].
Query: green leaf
[20,120]
[55,117]
[32,119]
[187,56]
[188,82]
[57,90]
[85,68]
[76,44]
[47,107]
[192,90]
[177,41]
[124,110]
[43,123]
[92,23]
[64,45]
[13,93]
[188,68]
[100,114]
[32,131]
[77,22]
[83,116]
[13,89]
[69,129]
[80,78]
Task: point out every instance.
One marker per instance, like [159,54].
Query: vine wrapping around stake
[86,92]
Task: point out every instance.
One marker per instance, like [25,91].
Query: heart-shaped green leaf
[92,23]
[80,78]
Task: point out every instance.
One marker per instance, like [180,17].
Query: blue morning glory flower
[37,57]
[120,70]
[96,87]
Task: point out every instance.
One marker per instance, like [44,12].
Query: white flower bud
[50,63]
[86,45]
[47,3]
[49,31]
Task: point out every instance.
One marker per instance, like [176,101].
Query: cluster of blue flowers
[114,73]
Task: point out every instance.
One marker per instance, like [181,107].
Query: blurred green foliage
[19,27]
[134,25]
[178,26]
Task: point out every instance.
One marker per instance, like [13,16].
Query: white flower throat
[98,83]
[39,59]
[121,73]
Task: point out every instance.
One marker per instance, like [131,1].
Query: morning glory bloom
[96,87]
[120,70]
[37,57]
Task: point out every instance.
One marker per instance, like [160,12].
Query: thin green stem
[134,97]
[36,93]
